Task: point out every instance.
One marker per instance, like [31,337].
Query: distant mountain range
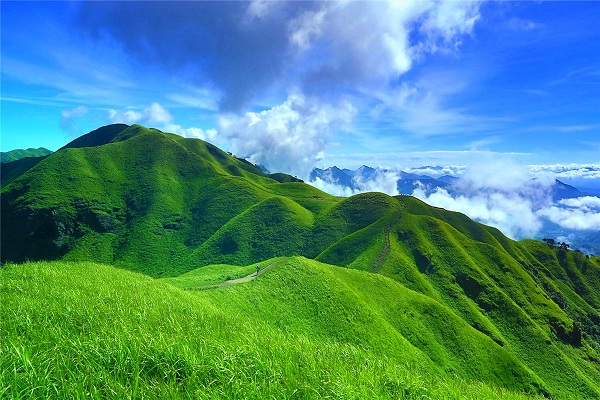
[407,183]
[18,154]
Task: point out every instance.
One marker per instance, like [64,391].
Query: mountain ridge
[17,154]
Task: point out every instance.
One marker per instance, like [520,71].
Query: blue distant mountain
[407,183]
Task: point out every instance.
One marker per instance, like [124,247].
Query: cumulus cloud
[580,213]
[382,181]
[154,114]
[330,53]
[332,188]
[586,203]
[359,181]
[510,212]
[382,41]
[500,193]
[192,132]
[515,199]
[289,137]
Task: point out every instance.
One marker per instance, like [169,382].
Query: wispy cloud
[68,118]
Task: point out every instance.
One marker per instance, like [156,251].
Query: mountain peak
[98,137]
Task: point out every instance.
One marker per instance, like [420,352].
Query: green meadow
[75,330]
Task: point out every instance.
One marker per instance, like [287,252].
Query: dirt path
[243,279]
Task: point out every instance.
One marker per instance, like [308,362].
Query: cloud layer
[516,200]
[519,200]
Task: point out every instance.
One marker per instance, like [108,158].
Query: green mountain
[388,287]
[16,162]
[14,155]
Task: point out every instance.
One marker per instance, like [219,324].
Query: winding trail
[243,279]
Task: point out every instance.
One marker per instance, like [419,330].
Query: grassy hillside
[418,284]
[83,328]
[109,203]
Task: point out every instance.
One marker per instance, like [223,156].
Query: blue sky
[292,85]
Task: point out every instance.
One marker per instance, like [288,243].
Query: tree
[550,242]
[563,246]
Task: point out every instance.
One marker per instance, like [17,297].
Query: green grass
[212,275]
[73,330]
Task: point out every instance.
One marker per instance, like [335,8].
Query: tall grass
[82,330]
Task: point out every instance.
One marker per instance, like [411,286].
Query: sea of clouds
[522,201]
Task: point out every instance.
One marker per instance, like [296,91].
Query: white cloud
[502,175]
[449,20]
[500,193]
[514,198]
[196,133]
[154,114]
[124,117]
[305,28]
[290,137]
[585,203]
[373,42]
[157,115]
[572,218]
[332,188]
[258,9]
[452,170]
[383,181]
[77,112]
[582,171]
[510,212]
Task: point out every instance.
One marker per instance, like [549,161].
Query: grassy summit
[370,296]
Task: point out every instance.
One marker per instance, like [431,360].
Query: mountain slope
[144,187]
[115,334]
[164,205]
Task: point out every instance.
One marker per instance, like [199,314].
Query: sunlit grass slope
[501,288]
[73,330]
[146,200]
[182,209]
